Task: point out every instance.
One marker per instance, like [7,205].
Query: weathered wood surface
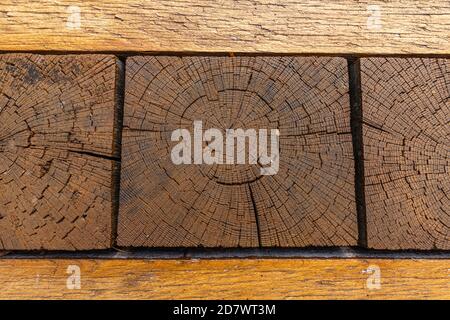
[406,118]
[225,279]
[309,201]
[314,26]
[57,116]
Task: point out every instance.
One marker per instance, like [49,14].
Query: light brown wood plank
[406,122]
[225,279]
[306,200]
[294,26]
[57,115]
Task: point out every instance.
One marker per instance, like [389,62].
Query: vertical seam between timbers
[119,102]
[356,118]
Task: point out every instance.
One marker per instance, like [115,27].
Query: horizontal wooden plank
[294,185]
[314,26]
[57,117]
[225,279]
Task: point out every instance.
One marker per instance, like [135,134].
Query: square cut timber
[57,117]
[406,127]
[308,202]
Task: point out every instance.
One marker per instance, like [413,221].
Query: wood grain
[226,279]
[309,27]
[57,115]
[308,202]
[406,120]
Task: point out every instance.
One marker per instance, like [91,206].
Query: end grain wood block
[406,104]
[57,116]
[309,202]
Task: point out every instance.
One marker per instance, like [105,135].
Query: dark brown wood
[310,201]
[406,113]
[57,115]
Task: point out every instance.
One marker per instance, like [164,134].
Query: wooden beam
[225,279]
[406,114]
[57,144]
[303,197]
[266,26]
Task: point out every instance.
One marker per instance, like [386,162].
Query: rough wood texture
[310,201]
[294,26]
[406,107]
[56,135]
[226,279]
